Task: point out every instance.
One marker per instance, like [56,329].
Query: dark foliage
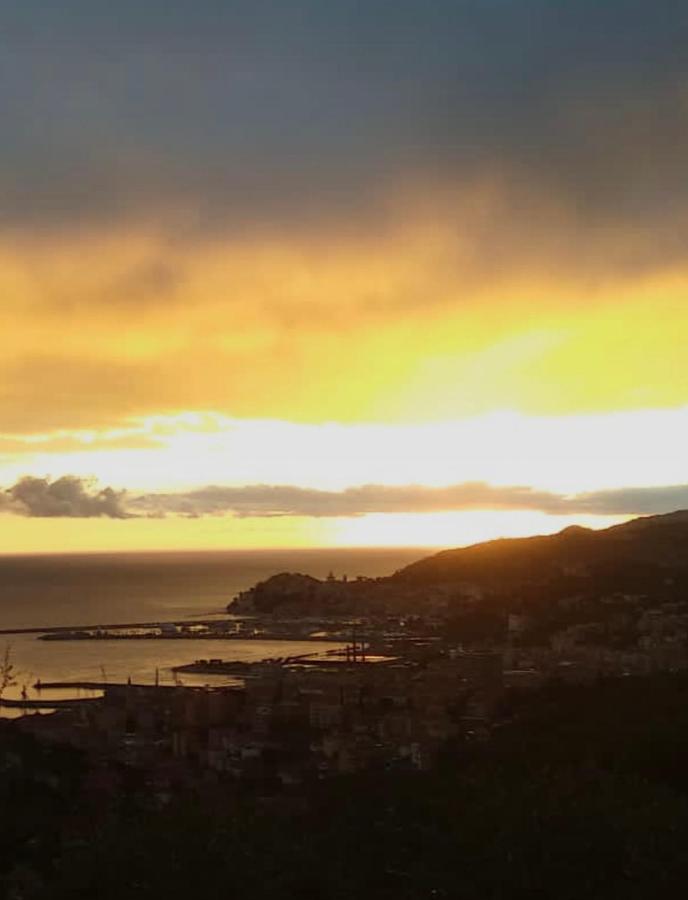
[586,794]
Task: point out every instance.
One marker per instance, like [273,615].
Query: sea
[108,588]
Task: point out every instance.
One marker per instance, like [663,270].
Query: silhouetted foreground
[585,795]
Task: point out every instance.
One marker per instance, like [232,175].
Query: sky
[340,273]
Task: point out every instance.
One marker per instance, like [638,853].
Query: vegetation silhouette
[585,792]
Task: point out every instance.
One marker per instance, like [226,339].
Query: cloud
[66,442]
[633,501]
[74,497]
[284,500]
[243,191]
[263,115]
[67,497]
[277,500]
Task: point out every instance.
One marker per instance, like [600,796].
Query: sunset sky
[340,273]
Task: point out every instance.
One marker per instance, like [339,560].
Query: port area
[52,696]
[70,630]
[195,634]
[234,628]
[331,659]
[243,629]
[48,703]
[81,694]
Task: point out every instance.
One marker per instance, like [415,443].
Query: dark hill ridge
[645,557]
[647,543]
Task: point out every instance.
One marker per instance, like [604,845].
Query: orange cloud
[403,324]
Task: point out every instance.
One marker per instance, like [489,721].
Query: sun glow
[568,454]
[167,454]
[455,529]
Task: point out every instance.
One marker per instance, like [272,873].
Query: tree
[7,671]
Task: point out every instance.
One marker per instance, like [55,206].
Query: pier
[62,629]
[58,703]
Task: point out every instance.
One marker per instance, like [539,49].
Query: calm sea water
[98,589]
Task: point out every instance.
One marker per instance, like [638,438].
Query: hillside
[639,548]
[645,557]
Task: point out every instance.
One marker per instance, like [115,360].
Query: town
[402,690]
[440,707]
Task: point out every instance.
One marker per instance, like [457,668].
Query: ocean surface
[101,589]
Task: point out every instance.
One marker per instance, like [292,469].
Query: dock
[60,703]
[61,629]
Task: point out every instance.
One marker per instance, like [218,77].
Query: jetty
[61,629]
[45,703]
[110,633]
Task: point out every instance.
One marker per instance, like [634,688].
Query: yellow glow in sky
[456,529]
[395,355]
[566,454]
[23,535]
[332,251]
[30,535]
[394,325]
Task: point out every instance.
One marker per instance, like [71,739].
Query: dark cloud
[284,500]
[634,501]
[67,497]
[257,114]
[71,496]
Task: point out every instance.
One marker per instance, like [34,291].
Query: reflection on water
[94,589]
[142,661]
